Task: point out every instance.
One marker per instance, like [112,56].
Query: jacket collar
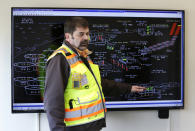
[84,53]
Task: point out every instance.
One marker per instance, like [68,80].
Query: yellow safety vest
[84,100]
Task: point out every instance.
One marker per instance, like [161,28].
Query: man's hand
[137,88]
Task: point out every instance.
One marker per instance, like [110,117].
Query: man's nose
[86,37]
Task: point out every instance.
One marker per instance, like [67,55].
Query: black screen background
[139,51]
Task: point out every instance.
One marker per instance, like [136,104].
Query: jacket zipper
[100,93]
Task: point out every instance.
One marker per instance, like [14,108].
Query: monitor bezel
[109,109]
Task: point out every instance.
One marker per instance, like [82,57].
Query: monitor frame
[109,109]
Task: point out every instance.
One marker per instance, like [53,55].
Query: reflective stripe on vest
[60,50]
[74,60]
[89,110]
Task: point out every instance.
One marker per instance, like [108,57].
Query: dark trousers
[80,129]
[93,126]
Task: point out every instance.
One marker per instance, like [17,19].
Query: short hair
[73,22]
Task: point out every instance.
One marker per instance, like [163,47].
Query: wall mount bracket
[163,113]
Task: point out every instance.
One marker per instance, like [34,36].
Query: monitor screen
[139,47]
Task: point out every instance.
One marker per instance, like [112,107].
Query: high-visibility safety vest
[84,100]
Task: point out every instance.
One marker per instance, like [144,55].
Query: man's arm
[57,73]
[112,88]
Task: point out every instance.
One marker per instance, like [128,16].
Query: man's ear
[67,36]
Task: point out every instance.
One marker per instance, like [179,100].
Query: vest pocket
[90,108]
[89,99]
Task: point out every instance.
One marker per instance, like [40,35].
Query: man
[74,99]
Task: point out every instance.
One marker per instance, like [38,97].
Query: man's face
[79,38]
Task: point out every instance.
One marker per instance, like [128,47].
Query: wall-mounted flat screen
[139,47]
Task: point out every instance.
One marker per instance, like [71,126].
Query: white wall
[180,120]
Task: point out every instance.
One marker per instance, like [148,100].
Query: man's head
[77,32]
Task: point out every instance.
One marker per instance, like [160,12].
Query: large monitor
[139,47]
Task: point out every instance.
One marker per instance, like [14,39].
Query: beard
[83,45]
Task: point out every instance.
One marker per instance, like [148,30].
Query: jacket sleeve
[112,88]
[57,73]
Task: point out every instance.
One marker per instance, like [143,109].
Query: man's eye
[81,34]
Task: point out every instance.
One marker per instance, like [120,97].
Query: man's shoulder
[58,58]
